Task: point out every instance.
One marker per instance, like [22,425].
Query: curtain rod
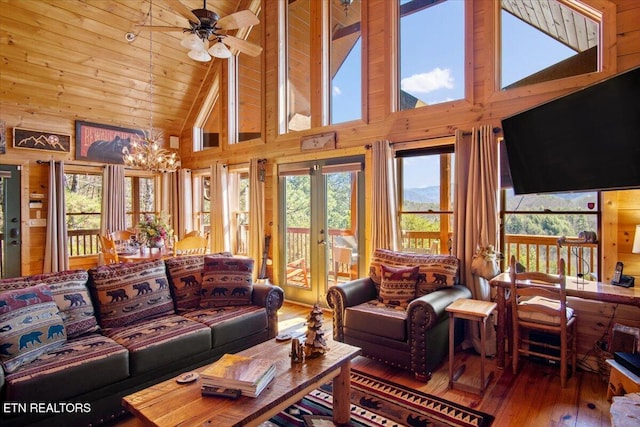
[93,165]
[495,130]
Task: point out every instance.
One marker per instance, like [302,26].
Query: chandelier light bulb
[199,55]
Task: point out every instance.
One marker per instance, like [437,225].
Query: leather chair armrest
[427,311]
[345,295]
[271,297]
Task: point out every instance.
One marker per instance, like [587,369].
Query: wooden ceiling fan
[207,26]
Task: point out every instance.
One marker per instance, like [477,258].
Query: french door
[321,226]
[10,238]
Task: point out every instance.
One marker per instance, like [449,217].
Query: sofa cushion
[30,325]
[154,343]
[185,278]
[232,323]
[377,319]
[398,285]
[436,271]
[70,293]
[129,292]
[76,367]
[226,281]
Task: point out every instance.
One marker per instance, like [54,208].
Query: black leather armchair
[414,339]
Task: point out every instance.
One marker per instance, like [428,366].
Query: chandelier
[146,152]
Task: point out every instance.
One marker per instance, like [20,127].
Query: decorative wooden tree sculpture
[315,344]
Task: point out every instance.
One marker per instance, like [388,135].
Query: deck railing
[535,253]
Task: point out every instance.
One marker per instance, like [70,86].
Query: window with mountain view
[535,224]
[425,180]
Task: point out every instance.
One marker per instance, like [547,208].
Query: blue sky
[432,66]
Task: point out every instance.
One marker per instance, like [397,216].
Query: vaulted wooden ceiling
[72,58]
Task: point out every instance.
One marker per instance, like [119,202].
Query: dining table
[144,254]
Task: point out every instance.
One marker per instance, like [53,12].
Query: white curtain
[184,202]
[256,213]
[56,252]
[169,198]
[220,227]
[113,216]
[476,211]
[385,231]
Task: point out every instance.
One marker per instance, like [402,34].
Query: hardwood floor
[533,398]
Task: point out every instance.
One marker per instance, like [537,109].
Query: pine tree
[315,344]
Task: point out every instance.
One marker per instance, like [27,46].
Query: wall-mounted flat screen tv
[585,141]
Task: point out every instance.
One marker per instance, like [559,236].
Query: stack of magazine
[234,372]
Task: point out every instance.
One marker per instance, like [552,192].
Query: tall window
[534,225]
[345,66]
[543,41]
[83,196]
[140,196]
[432,51]
[298,65]
[239,210]
[426,199]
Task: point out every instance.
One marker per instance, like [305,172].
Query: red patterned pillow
[30,325]
[70,292]
[129,292]
[227,281]
[185,277]
[398,285]
[436,271]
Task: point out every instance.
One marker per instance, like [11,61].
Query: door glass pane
[341,213]
[298,227]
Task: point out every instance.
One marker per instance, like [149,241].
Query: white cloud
[336,91]
[428,82]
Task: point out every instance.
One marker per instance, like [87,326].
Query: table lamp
[636,241]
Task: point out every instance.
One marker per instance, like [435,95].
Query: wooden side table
[478,311]
[621,380]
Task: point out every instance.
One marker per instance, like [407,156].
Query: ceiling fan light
[199,55]
[191,42]
[220,50]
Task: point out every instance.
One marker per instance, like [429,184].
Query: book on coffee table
[247,374]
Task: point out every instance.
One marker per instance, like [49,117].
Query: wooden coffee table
[170,404]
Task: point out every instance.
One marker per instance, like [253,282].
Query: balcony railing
[535,253]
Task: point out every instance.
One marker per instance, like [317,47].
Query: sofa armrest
[271,297]
[345,295]
[428,310]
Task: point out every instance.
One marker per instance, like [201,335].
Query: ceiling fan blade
[242,45]
[244,18]
[183,10]
[159,28]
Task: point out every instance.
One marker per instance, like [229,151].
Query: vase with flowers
[154,231]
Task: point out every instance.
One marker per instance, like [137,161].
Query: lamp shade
[636,241]
[191,42]
[220,50]
[199,55]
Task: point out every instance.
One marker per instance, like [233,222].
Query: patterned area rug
[376,402]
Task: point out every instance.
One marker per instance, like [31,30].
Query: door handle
[322,242]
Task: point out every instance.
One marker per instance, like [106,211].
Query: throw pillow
[30,325]
[185,278]
[70,292]
[227,281]
[398,286]
[128,292]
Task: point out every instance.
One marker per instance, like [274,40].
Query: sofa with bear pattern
[73,343]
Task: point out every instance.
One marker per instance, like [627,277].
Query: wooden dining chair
[121,235]
[540,312]
[192,233]
[108,249]
[190,245]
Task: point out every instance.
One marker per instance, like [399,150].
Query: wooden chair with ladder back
[539,312]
